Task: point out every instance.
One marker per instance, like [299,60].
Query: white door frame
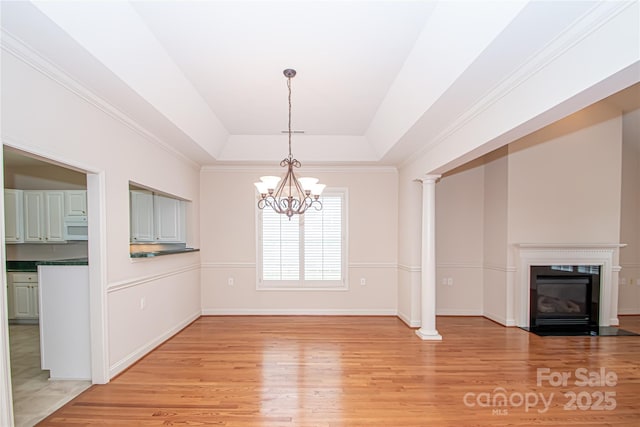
[96,201]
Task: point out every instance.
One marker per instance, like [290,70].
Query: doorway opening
[41,197]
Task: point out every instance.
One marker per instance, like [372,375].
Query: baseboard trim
[628,311]
[499,319]
[408,321]
[138,354]
[458,312]
[296,312]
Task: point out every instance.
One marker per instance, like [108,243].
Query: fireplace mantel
[602,254]
[570,246]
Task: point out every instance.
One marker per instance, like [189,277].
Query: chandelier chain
[289,87]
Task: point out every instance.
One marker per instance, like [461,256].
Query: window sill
[304,289]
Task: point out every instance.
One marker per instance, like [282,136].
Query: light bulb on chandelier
[291,195]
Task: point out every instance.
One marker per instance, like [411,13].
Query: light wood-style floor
[368,371]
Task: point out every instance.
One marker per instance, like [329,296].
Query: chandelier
[290,196]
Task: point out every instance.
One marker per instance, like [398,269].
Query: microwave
[76,228]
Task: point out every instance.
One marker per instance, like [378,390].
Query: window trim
[301,284]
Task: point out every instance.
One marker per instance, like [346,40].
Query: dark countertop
[32,266]
[26,266]
[71,261]
[150,254]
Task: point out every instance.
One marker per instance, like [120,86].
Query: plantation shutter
[280,246]
[323,240]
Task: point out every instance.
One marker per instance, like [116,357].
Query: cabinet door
[23,295]
[54,216]
[141,216]
[33,216]
[75,203]
[168,219]
[13,216]
[23,301]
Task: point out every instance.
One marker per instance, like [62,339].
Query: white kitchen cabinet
[168,219]
[24,295]
[43,216]
[156,218]
[54,216]
[13,216]
[142,216]
[75,203]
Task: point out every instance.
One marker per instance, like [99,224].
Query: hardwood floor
[368,371]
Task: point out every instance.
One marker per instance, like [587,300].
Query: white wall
[564,187]
[459,240]
[495,248]
[409,247]
[564,180]
[40,115]
[229,244]
[629,289]
[561,184]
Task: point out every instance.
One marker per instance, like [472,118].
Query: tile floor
[34,396]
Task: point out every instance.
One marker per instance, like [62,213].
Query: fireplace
[564,297]
[582,259]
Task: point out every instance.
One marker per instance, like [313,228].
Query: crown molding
[316,168]
[590,22]
[25,53]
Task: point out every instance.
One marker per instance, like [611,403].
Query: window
[305,252]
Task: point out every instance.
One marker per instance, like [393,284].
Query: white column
[428,266]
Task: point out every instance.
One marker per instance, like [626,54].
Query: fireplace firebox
[564,297]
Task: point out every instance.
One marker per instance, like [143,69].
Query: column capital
[429,178]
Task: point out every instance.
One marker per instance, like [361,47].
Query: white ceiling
[377,80]
[347,55]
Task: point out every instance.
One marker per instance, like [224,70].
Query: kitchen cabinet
[142,216]
[75,203]
[13,216]
[23,295]
[156,218]
[168,219]
[43,216]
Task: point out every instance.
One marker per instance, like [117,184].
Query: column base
[432,335]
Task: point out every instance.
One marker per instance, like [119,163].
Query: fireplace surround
[603,256]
